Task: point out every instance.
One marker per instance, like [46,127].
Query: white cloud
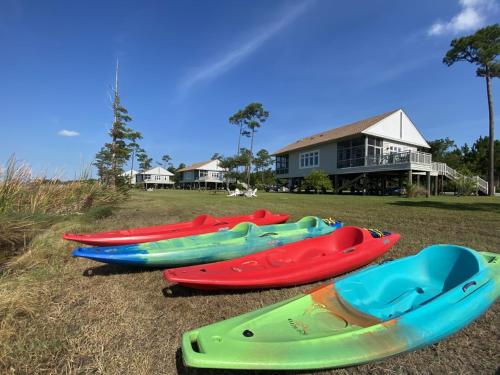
[231,58]
[473,14]
[68,133]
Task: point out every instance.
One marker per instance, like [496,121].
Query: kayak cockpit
[409,283]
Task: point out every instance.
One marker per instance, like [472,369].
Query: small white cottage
[157,177]
[208,174]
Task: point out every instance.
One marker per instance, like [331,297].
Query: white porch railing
[210,178]
[422,159]
[452,174]
[405,157]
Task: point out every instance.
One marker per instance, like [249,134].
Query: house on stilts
[205,174]
[154,178]
[372,156]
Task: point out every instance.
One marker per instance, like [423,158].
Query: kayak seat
[351,236]
[203,220]
[308,222]
[260,214]
[409,283]
[244,229]
[408,299]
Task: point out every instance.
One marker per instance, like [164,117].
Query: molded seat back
[351,236]
[394,288]
[203,220]
[259,214]
[308,222]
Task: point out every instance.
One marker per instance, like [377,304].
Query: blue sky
[186,66]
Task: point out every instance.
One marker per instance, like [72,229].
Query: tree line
[124,147]
[481,49]
[470,160]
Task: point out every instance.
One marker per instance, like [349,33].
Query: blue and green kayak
[244,238]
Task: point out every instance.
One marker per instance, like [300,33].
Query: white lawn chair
[251,193]
[234,193]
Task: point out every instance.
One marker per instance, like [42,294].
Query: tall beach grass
[29,203]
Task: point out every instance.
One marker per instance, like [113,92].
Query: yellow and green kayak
[375,313]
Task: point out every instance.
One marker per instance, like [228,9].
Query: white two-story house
[206,174]
[157,177]
[370,156]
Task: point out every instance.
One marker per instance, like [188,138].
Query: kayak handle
[468,285]
[385,261]
[221,223]
[269,234]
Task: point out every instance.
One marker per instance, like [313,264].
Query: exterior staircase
[452,174]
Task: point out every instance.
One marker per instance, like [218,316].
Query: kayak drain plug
[247,333]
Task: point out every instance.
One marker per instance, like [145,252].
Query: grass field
[65,315]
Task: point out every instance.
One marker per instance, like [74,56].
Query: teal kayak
[372,314]
[244,238]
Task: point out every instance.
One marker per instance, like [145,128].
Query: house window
[374,151]
[203,173]
[351,153]
[147,177]
[395,149]
[282,164]
[309,159]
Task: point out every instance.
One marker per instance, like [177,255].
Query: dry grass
[57,317]
[30,203]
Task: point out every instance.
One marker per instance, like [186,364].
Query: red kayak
[296,263]
[199,225]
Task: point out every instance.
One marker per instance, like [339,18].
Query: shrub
[464,186]
[318,180]
[99,212]
[415,190]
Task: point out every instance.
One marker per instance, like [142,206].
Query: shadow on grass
[116,269]
[458,206]
[175,291]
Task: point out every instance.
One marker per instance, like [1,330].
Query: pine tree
[144,160]
[112,157]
